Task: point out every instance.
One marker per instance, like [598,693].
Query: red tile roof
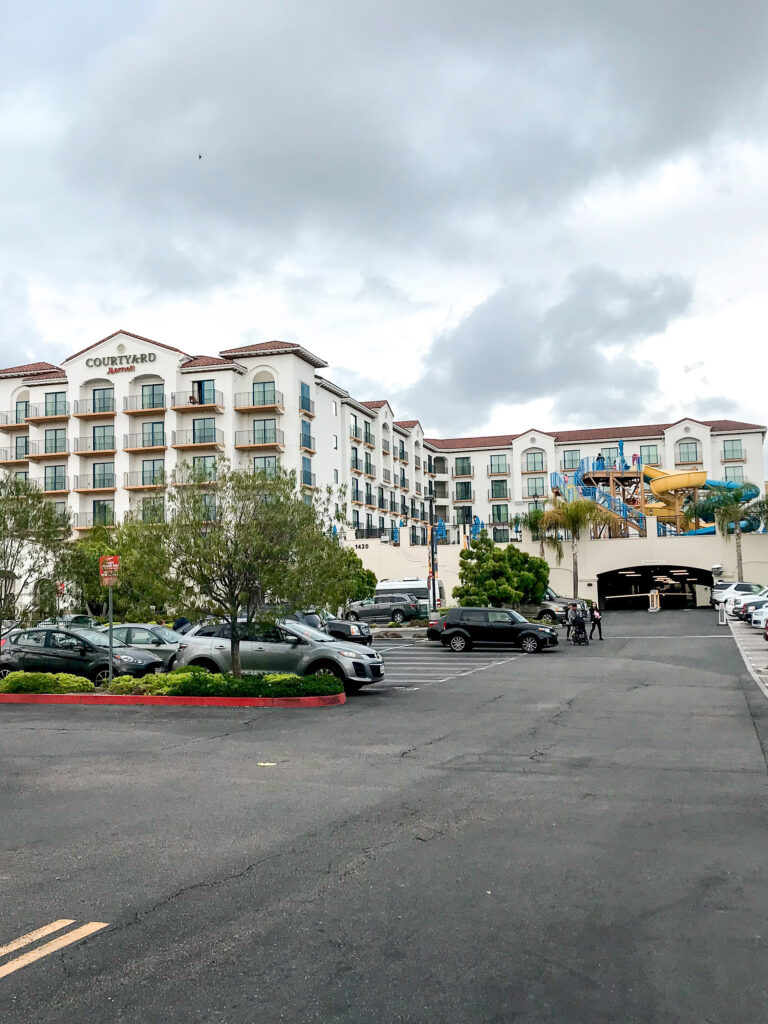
[375,405]
[489,441]
[128,334]
[406,423]
[26,368]
[277,348]
[206,361]
[41,378]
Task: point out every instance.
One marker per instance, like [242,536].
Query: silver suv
[284,647]
[385,608]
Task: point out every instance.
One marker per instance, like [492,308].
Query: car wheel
[327,668]
[548,617]
[209,666]
[458,643]
[398,617]
[353,617]
[101,677]
[5,671]
[530,644]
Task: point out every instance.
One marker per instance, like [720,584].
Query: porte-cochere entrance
[679,586]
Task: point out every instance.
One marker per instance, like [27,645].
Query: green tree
[530,574]
[571,517]
[485,576]
[532,522]
[729,507]
[354,580]
[31,535]
[248,544]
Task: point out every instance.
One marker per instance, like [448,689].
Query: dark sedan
[83,652]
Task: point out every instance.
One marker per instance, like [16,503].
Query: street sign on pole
[109,567]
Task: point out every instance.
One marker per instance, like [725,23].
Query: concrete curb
[329,700]
[763,685]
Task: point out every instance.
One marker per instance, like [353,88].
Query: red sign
[109,566]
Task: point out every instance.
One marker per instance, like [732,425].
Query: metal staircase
[626,514]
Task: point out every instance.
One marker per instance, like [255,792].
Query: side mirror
[292,640]
[80,649]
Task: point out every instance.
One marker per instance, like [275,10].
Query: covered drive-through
[679,586]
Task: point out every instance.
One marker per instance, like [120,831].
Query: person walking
[570,618]
[597,621]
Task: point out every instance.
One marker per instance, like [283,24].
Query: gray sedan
[148,636]
[286,647]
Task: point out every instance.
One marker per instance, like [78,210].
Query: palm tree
[732,506]
[532,521]
[571,517]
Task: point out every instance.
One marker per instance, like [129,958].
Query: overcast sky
[497,214]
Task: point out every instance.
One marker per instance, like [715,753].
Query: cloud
[577,350]
[716,407]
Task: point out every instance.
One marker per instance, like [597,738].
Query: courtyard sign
[123,361]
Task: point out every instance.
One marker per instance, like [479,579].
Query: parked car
[385,608]
[286,646]
[340,629]
[722,591]
[759,617]
[552,608]
[466,627]
[435,628]
[83,652]
[743,610]
[72,621]
[148,636]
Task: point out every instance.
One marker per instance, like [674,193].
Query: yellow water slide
[664,486]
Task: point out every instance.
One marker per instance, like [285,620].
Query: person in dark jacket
[597,621]
[570,618]
[181,621]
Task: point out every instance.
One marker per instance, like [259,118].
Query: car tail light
[445,623]
[2,642]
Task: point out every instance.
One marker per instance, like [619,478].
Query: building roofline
[277,348]
[128,334]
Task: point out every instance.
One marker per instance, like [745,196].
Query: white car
[760,617]
[722,591]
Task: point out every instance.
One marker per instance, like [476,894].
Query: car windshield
[309,632]
[169,635]
[98,639]
[516,616]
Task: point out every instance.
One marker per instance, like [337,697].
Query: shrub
[45,682]
[199,682]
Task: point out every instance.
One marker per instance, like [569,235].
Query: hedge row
[45,682]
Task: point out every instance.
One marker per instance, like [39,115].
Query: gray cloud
[716,407]
[576,351]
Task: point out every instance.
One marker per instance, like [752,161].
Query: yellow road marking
[51,947]
[39,933]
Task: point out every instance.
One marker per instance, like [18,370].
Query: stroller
[579,632]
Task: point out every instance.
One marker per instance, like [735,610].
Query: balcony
[12,457]
[464,496]
[385,446]
[356,465]
[96,445]
[463,476]
[47,412]
[403,483]
[566,467]
[206,438]
[530,472]
[13,420]
[387,475]
[356,434]
[87,484]
[142,405]
[267,440]
[141,481]
[369,532]
[498,497]
[51,449]
[417,462]
[307,443]
[88,409]
[308,480]
[369,502]
[403,456]
[357,498]
[53,485]
[144,442]
[382,505]
[418,488]
[731,460]
[87,521]
[306,407]
[191,401]
[270,401]
[503,471]
[369,440]
[369,469]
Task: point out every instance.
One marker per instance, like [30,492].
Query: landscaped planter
[329,700]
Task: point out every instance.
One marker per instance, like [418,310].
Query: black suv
[465,627]
[82,653]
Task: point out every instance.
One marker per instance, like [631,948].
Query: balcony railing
[498,470]
[86,521]
[13,454]
[404,457]
[404,483]
[387,476]
[356,465]
[142,441]
[307,442]
[418,488]
[95,444]
[183,400]
[356,433]
[51,446]
[369,532]
[392,506]
[369,469]
[107,482]
[95,407]
[144,479]
[268,400]
[567,467]
[144,403]
[189,438]
[464,495]
[385,445]
[13,418]
[463,476]
[269,437]
[498,497]
[370,440]
[48,410]
[53,485]
[382,504]
[307,479]
[417,462]
[306,405]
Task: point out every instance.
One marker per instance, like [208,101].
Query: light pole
[432,553]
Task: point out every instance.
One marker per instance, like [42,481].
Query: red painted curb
[329,700]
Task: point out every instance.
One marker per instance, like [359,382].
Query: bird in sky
[199,156]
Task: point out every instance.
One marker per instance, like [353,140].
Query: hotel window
[152,510]
[534,462]
[401,450]
[732,450]
[22,447]
[264,392]
[152,471]
[464,515]
[55,478]
[500,513]
[204,430]
[209,507]
[688,451]
[306,436]
[21,474]
[103,438]
[55,440]
[571,458]
[152,434]
[264,431]
[498,464]
[204,467]
[368,467]
[305,402]
[649,454]
[60,508]
[463,467]
[306,471]
[103,399]
[368,494]
[335,408]
[103,512]
[610,455]
[536,487]
[464,490]
[22,411]
[265,464]
[56,403]
[335,442]
[204,392]
[498,488]
[367,435]
[104,474]
[501,534]
[734,474]
[152,396]
[335,476]
[355,518]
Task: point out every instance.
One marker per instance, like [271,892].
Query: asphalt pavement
[574,836]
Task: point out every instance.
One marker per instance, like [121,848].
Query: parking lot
[420,663]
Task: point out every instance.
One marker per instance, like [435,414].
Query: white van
[420,588]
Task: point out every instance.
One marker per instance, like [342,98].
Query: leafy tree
[249,543]
[31,534]
[532,521]
[530,574]
[730,507]
[355,581]
[485,576]
[571,517]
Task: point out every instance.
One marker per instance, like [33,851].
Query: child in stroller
[579,632]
